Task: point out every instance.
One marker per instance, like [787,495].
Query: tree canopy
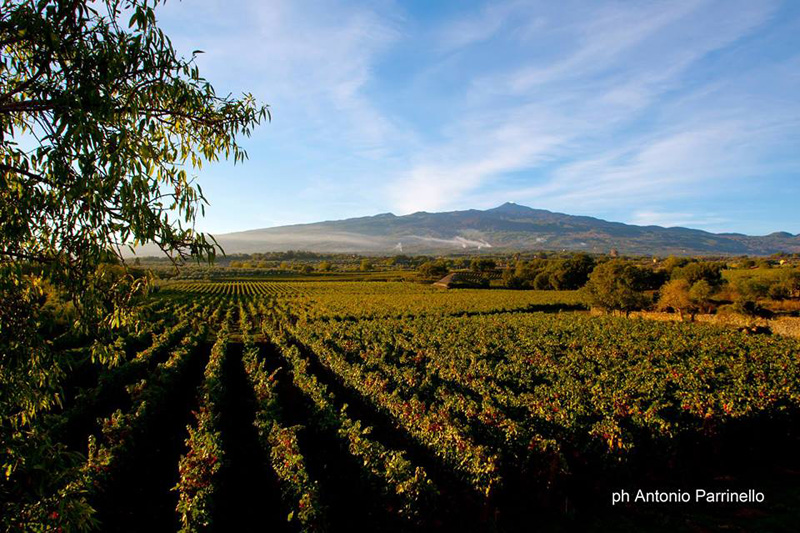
[102,123]
[616,285]
[99,123]
[432,269]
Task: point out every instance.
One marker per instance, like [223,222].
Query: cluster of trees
[683,285]
[550,274]
[751,292]
[433,270]
[690,287]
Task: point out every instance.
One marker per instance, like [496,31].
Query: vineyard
[249,405]
[235,288]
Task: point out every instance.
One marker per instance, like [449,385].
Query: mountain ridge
[508,227]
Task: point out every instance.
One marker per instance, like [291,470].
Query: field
[392,406]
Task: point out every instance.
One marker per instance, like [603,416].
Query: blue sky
[647,112]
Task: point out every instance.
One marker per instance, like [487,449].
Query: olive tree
[616,286]
[102,123]
[674,295]
[683,297]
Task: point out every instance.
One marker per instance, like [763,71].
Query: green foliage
[115,116]
[791,280]
[366,265]
[672,262]
[432,270]
[701,293]
[573,273]
[711,273]
[513,281]
[399,260]
[542,281]
[752,289]
[779,291]
[747,263]
[28,369]
[551,274]
[118,116]
[652,279]
[678,295]
[101,122]
[199,468]
[496,397]
[616,286]
[674,295]
[538,388]
[749,292]
[482,264]
[397,475]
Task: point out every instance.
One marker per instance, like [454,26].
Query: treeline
[688,286]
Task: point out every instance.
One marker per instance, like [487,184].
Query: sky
[674,113]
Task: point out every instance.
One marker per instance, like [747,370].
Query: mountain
[509,227]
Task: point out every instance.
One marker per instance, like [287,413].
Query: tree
[482,264]
[542,281]
[432,270]
[701,293]
[616,286]
[512,281]
[748,293]
[674,295]
[325,266]
[398,260]
[680,296]
[117,116]
[460,263]
[101,122]
[694,272]
[753,289]
[791,279]
[672,262]
[573,273]
[779,291]
[366,265]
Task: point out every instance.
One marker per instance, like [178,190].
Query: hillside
[509,227]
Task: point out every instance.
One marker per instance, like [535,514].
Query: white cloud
[478,149]
[569,114]
[473,29]
[311,61]
[604,35]
[589,105]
